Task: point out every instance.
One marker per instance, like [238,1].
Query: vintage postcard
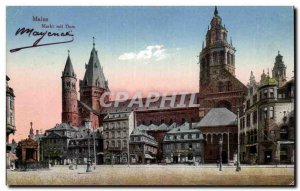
[150,96]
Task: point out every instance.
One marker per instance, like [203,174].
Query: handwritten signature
[33,32]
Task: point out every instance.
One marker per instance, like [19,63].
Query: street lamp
[87,125]
[220,143]
[95,157]
[238,167]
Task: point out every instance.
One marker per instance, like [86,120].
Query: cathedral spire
[93,42]
[94,75]
[216,12]
[69,71]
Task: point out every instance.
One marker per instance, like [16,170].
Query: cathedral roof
[218,117]
[69,71]
[94,75]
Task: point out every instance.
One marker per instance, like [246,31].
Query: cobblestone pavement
[175,175]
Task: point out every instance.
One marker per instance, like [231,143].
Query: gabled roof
[218,117]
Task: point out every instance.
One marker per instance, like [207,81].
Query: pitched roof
[69,71]
[184,128]
[94,75]
[63,126]
[218,117]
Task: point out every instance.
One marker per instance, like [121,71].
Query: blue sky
[257,32]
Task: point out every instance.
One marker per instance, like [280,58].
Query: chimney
[37,132]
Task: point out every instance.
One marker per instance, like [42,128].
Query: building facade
[10,122]
[117,128]
[10,110]
[219,124]
[183,144]
[87,144]
[267,122]
[142,147]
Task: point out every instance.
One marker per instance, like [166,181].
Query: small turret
[279,70]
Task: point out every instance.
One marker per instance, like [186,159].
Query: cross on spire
[68,52]
[93,41]
[216,11]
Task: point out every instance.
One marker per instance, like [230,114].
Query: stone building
[10,120]
[55,143]
[10,110]
[267,122]
[117,128]
[65,143]
[218,85]
[79,150]
[219,124]
[183,144]
[142,147]
[159,133]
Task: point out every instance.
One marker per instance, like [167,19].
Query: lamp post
[220,144]
[238,168]
[95,157]
[87,125]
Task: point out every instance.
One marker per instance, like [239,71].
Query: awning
[147,156]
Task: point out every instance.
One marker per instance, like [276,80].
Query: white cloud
[127,56]
[153,52]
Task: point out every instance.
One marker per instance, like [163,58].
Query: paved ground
[175,175]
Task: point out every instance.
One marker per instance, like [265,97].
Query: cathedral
[93,85]
[218,85]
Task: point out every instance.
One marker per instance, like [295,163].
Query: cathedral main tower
[217,53]
[94,83]
[218,86]
[69,94]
